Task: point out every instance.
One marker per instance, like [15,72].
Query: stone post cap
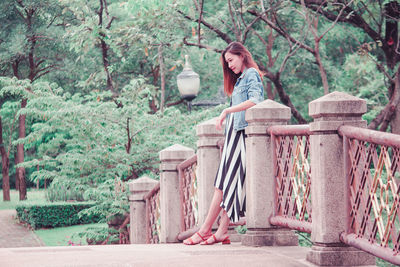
[268,111]
[207,128]
[143,183]
[176,153]
[337,104]
[336,109]
[140,187]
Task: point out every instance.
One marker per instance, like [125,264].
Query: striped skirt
[230,178]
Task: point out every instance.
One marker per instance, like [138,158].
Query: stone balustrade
[260,186]
[138,190]
[208,158]
[328,182]
[329,185]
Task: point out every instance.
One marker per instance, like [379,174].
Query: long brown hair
[230,77]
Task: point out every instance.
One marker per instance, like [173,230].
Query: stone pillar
[138,190]
[170,200]
[208,159]
[328,179]
[260,190]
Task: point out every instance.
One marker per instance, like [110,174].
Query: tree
[24,57]
[10,89]
[378,21]
[303,26]
[5,160]
[235,23]
[89,146]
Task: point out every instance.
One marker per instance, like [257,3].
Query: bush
[62,190]
[54,214]
[99,234]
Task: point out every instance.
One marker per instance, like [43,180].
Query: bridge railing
[372,164]
[292,171]
[144,210]
[323,178]
[188,193]
[153,211]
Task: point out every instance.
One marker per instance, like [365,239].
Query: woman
[242,81]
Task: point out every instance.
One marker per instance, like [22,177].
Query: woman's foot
[196,238]
[214,239]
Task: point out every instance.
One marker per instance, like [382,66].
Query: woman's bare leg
[213,212]
[212,215]
[222,231]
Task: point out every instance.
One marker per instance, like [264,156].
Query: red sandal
[225,241]
[191,242]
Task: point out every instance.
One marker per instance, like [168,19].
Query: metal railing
[372,164]
[153,224]
[188,193]
[290,146]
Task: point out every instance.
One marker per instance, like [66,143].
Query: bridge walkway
[154,255]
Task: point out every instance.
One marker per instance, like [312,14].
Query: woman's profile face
[235,62]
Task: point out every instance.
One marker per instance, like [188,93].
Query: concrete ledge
[339,256]
[270,238]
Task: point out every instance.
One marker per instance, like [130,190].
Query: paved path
[175,255]
[13,235]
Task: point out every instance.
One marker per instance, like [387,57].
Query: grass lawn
[64,236]
[33,195]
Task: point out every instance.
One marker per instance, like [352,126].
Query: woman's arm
[242,106]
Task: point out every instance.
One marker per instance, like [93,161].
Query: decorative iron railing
[188,193]
[372,163]
[153,224]
[290,146]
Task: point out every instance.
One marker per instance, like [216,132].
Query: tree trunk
[162,73]
[271,60]
[286,99]
[270,93]
[106,64]
[4,167]
[20,172]
[321,68]
[105,47]
[16,176]
[395,122]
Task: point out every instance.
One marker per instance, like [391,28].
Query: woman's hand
[242,106]
[220,120]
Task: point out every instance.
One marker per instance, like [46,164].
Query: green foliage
[360,77]
[30,38]
[89,146]
[241,229]
[382,263]
[64,192]
[304,239]
[54,214]
[97,234]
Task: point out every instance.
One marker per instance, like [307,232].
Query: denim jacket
[248,87]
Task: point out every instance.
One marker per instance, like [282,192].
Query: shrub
[98,235]
[54,214]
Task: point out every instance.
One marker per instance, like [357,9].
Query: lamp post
[188,83]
